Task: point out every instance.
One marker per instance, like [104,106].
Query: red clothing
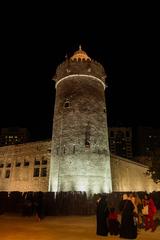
[151,208]
[149,222]
[113,223]
[113,216]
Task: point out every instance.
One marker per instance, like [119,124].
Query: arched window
[87,144]
[67,103]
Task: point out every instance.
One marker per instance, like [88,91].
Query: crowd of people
[132,213]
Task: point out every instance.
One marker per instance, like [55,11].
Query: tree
[154,169]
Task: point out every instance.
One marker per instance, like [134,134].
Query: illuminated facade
[26,167]
[80,159]
[77,158]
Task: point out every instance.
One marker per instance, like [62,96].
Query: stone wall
[80,159]
[84,172]
[130,176]
[25,167]
[126,175]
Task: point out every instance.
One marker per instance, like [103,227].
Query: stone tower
[80,159]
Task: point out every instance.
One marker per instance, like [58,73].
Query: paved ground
[57,228]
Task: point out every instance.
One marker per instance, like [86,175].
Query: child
[113,222]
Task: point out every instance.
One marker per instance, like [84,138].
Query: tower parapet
[80,63]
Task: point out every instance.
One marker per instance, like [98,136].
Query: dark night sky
[35,40]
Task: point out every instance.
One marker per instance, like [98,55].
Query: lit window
[68,70]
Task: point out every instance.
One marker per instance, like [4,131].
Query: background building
[14,135]
[147,140]
[120,141]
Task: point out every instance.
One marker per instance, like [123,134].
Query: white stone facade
[25,167]
[126,174]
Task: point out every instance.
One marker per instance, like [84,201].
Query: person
[136,201]
[128,227]
[102,213]
[149,221]
[28,204]
[38,205]
[113,222]
[145,201]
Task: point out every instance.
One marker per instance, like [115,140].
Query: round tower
[80,159]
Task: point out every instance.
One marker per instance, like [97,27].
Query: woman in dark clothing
[128,228]
[113,222]
[102,214]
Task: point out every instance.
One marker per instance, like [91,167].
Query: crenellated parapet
[80,64]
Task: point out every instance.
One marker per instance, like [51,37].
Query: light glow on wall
[80,75]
